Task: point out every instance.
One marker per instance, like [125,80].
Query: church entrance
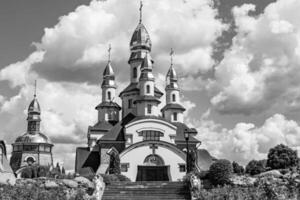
[153,169]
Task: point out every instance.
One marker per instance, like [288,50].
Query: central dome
[33,138]
[140,38]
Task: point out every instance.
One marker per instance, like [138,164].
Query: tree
[237,169]
[63,171]
[282,157]
[114,165]
[220,172]
[256,167]
[192,160]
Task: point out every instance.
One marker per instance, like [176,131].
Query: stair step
[147,190]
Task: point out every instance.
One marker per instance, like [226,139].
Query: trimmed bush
[237,169]
[220,172]
[282,157]
[256,167]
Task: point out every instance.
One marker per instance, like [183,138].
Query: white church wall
[150,124]
[136,157]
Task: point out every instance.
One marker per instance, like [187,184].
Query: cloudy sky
[238,63]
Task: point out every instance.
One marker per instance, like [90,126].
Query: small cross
[141,10]
[34,88]
[109,50]
[153,147]
[171,54]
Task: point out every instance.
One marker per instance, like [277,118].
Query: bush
[282,157]
[111,178]
[256,167]
[114,165]
[237,169]
[220,172]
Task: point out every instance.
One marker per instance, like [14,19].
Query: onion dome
[140,38]
[34,107]
[33,138]
[172,79]
[108,71]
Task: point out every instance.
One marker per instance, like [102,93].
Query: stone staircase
[146,191]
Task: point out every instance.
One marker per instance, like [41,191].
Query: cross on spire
[35,82]
[171,55]
[109,52]
[141,10]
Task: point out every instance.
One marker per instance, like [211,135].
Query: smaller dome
[33,138]
[172,74]
[108,71]
[140,38]
[34,106]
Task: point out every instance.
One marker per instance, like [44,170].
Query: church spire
[34,112]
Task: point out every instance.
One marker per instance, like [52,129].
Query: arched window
[154,160]
[175,116]
[148,89]
[173,97]
[134,72]
[109,95]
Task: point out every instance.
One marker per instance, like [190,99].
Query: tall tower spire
[35,85]
[34,112]
[173,110]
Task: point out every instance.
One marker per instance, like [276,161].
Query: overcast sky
[238,63]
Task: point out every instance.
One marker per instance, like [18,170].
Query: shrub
[237,169]
[220,172]
[282,157]
[256,167]
[111,178]
[114,165]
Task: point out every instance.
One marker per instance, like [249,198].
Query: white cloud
[260,71]
[246,141]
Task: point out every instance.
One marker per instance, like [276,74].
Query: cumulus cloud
[261,70]
[247,141]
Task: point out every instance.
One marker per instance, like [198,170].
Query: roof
[173,106]
[116,133]
[204,159]
[101,125]
[108,71]
[133,87]
[86,159]
[33,138]
[147,98]
[109,104]
[34,106]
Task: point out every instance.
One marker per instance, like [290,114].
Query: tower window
[109,95]
[175,116]
[173,97]
[149,107]
[129,103]
[148,89]
[134,72]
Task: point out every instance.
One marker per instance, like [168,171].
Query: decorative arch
[167,145]
[154,160]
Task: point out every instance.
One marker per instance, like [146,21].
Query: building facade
[149,141]
[33,147]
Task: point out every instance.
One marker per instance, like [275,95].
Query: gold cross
[34,88]
[171,54]
[141,10]
[109,50]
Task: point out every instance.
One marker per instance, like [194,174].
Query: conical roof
[108,71]
[34,107]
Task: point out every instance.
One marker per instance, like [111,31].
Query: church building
[33,147]
[149,141]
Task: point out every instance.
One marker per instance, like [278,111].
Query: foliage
[111,178]
[114,165]
[36,192]
[237,169]
[220,172]
[35,171]
[256,167]
[282,157]
[192,161]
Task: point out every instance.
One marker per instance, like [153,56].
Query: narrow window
[173,97]
[148,89]
[149,107]
[109,95]
[134,72]
[129,103]
[175,116]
